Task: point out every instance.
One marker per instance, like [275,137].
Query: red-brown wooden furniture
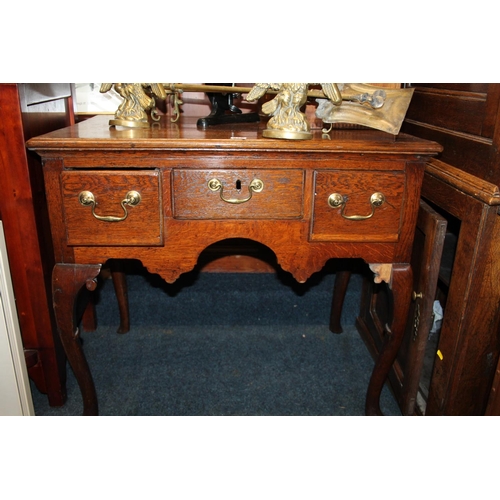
[28,110]
[462,185]
[178,190]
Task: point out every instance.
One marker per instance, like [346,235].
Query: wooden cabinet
[28,110]
[461,184]
[464,119]
[468,346]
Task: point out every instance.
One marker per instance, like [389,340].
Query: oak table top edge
[96,133]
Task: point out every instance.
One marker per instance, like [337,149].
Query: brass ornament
[132,198]
[336,200]
[366,105]
[256,186]
[136,101]
[287,120]
[352,103]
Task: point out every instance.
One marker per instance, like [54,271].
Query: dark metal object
[224,110]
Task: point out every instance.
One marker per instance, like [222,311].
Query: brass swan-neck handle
[132,198]
[256,186]
[336,200]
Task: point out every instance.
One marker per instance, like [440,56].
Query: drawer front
[237,194]
[358,206]
[99,210]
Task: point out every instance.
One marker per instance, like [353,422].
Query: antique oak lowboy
[162,195]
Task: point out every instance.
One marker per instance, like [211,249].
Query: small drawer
[112,208]
[237,194]
[358,206]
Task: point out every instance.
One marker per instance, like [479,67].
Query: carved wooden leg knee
[67,281]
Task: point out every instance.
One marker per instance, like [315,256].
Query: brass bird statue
[287,120]
[136,101]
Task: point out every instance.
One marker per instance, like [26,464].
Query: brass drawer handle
[256,186]
[132,198]
[336,200]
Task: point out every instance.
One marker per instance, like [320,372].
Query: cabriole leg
[399,278]
[67,282]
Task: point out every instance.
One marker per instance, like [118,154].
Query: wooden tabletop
[95,133]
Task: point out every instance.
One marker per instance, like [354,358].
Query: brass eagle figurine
[287,120]
[136,101]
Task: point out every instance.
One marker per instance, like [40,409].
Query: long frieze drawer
[112,208]
[355,206]
[238,193]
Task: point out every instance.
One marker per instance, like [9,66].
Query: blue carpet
[226,344]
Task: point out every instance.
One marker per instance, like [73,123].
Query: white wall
[15,393]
